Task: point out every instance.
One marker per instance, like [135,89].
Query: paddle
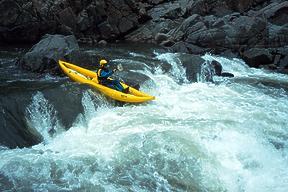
[120,67]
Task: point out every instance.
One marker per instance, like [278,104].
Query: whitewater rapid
[230,135]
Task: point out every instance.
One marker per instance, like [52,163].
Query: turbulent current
[230,135]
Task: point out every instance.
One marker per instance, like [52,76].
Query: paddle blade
[120,67]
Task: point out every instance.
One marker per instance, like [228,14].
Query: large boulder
[220,7]
[44,55]
[276,13]
[170,10]
[256,56]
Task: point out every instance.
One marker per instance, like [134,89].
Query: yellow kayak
[88,77]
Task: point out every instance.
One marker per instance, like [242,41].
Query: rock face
[220,26]
[183,26]
[29,20]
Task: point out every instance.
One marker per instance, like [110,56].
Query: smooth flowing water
[230,135]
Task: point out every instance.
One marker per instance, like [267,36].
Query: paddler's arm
[106,74]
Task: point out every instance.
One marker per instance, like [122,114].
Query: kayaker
[103,77]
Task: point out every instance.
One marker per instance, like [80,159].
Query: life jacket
[101,79]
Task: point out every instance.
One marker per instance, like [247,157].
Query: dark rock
[13,128]
[284,63]
[217,67]
[64,30]
[191,26]
[278,35]
[274,12]
[192,64]
[45,55]
[83,21]
[180,31]
[9,12]
[255,57]
[167,10]
[67,17]
[207,38]
[269,66]
[102,42]
[132,78]
[160,37]
[229,54]
[226,74]
[148,32]
[83,59]
[125,25]
[209,20]
[220,7]
[245,31]
[179,47]
[86,40]
[276,59]
[183,47]
[194,49]
[16,129]
[167,43]
[106,30]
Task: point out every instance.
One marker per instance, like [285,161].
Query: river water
[230,135]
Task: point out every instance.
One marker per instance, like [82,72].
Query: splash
[177,69]
[43,117]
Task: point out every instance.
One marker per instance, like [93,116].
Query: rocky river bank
[253,30]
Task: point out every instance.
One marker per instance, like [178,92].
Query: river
[230,135]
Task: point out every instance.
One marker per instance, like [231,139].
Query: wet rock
[68,18]
[17,128]
[102,42]
[227,74]
[179,47]
[86,40]
[192,65]
[256,56]
[44,55]
[167,43]
[14,130]
[9,12]
[284,63]
[278,35]
[191,26]
[180,31]
[148,32]
[125,25]
[276,13]
[217,67]
[167,10]
[160,37]
[183,47]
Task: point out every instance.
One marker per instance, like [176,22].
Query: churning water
[230,135]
